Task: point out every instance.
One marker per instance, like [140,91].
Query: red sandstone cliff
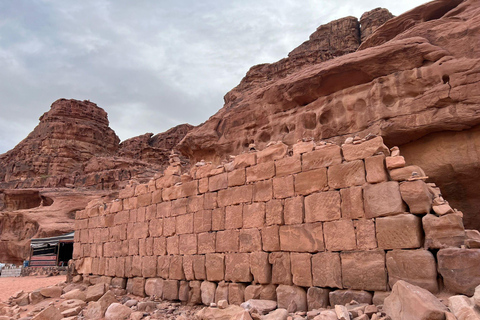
[414,81]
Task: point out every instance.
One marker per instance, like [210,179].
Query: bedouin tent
[53,251]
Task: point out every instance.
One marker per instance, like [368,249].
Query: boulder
[279,314]
[417,196]
[442,232]
[117,311]
[69,304]
[208,292]
[51,292]
[260,307]
[228,313]
[317,298]
[408,301]
[95,292]
[74,294]
[342,297]
[463,308]
[292,295]
[459,269]
[50,313]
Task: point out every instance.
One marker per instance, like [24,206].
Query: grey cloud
[150,64]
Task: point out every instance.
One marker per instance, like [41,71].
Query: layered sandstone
[413,81]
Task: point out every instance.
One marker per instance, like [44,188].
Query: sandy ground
[9,286]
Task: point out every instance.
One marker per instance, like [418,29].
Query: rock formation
[414,81]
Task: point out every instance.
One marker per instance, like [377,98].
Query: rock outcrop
[414,81]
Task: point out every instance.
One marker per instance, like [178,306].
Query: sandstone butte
[411,79]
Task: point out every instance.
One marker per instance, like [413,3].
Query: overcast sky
[151,64]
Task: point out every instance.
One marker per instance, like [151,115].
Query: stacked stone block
[316,218]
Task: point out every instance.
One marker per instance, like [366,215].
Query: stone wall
[304,221]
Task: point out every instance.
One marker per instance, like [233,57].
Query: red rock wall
[322,217]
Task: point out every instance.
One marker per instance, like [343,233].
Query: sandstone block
[163,266]
[326,270]
[159,246]
[221,293]
[175,271]
[382,199]
[283,187]
[236,293]
[323,157]
[301,265]
[236,177]
[260,267]
[250,240]
[402,231]
[172,245]
[274,212]
[237,267]
[459,269]
[218,182]
[183,292]
[408,301]
[208,292]
[227,241]
[311,181]
[136,286]
[169,226]
[293,210]
[352,203]
[188,267]
[395,162]
[271,238]
[417,196]
[199,267]
[149,266]
[215,266]
[254,215]
[50,313]
[303,147]
[444,231]
[302,237]
[288,165]
[417,267]
[234,217]
[272,152]
[339,235]
[206,242]
[263,190]
[260,307]
[235,195]
[462,307]
[365,149]
[342,297]
[317,298]
[218,219]
[210,201]
[375,168]
[261,171]
[281,272]
[323,206]
[170,290]
[405,173]
[364,270]
[184,223]
[202,221]
[56,291]
[291,296]
[346,175]
[195,293]
[365,234]
[245,160]
[154,287]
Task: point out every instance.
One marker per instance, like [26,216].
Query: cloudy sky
[151,64]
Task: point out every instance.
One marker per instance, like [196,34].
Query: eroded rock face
[414,77]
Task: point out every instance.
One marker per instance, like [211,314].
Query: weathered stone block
[215,266]
[221,293]
[293,210]
[375,168]
[365,233]
[459,269]
[176,268]
[365,149]
[291,295]
[364,270]
[149,266]
[417,267]
[218,219]
[154,287]
[352,203]
[417,196]
[237,267]
[236,177]
[261,171]
[250,240]
[254,215]
[405,173]
[346,175]
[163,266]
[301,265]
[263,190]
[227,241]
[206,242]
[444,231]
[283,187]
[187,244]
[218,182]
[322,157]
[323,206]
[339,235]
[395,162]
[170,290]
[236,293]
[302,238]
[281,271]
[382,199]
[202,221]
[326,270]
[199,267]
[260,267]
[136,286]
[188,267]
[317,298]
[184,223]
[235,195]
[195,293]
[311,181]
[234,217]
[208,292]
[274,212]
[271,238]
[288,165]
[342,297]
[172,245]
[169,226]
[403,231]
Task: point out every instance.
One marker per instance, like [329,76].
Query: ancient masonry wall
[278,222]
